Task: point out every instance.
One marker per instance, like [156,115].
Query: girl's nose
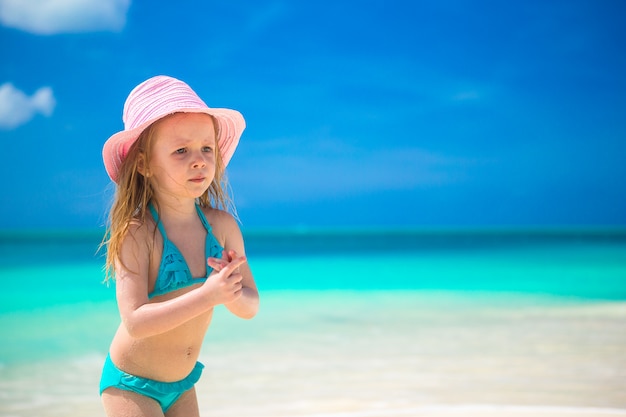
[199,161]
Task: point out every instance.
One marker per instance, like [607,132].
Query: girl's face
[183,156]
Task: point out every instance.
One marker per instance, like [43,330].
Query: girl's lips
[198,179]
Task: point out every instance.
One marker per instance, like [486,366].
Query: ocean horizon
[578,252]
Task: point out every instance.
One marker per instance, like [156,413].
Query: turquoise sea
[352,323]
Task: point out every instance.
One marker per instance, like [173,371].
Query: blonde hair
[134,193]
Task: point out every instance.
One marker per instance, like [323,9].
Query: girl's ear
[142,166]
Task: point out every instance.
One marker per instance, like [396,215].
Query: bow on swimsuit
[173,274]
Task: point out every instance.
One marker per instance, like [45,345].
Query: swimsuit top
[174,272]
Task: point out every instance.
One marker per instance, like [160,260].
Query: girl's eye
[207,149]
[180,151]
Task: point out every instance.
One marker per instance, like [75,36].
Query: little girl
[173,249]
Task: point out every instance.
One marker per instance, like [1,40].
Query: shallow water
[457,329]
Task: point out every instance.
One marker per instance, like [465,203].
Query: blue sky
[360,114]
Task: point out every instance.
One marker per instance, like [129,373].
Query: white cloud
[47,17]
[16,108]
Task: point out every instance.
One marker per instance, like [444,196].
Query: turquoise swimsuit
[173,271]
[173,274]
[165,393]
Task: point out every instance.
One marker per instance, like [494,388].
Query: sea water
[351,323]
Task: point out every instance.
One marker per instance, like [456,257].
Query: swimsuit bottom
[165,393]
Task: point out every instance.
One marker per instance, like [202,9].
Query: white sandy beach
[344,354]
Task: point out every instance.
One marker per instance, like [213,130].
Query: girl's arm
[247,305]
[142,318]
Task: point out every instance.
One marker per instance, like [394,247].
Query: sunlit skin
[160,338]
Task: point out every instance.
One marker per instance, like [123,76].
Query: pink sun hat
[156,98]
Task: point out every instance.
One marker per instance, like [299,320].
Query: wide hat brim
[156,98]
[231,125]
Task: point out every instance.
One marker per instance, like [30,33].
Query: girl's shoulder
[137,245]
[137,225]
[219,218]
[223,224]
[142,231]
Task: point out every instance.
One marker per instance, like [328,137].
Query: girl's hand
[217,264]
[224,284]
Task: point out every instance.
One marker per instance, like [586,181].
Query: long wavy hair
[134,192]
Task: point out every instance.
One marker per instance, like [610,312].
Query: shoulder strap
[155,216]
[203,219]
[212,247]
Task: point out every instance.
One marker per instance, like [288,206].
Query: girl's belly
[167,357]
